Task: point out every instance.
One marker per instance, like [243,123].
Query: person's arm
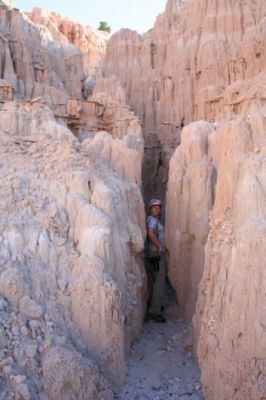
[153,238]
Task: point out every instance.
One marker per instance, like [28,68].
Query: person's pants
[156,274]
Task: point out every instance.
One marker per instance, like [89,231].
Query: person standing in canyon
[155,261]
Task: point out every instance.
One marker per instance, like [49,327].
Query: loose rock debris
[161,364]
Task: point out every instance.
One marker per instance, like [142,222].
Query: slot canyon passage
[91,127]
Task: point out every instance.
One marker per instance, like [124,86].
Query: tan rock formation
[47,55]
[206,60]
[72,215]
[6,91]
[36,361]
[235,152]
[190,196]
[230,316]
[229,324]
[71,222]
[70,243]
[192,178]
[193,45]
[63,31]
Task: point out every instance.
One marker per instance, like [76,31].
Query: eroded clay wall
[71,278]
[72,284]
[193,45]
[70,242]
[195,49]
[197,81]
[45,54]
[230,315]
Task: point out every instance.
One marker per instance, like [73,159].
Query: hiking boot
[156,317]
[161,309]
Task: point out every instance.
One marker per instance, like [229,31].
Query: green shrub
[104,26]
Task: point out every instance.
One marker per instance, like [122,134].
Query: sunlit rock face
[72,215]
[193,45]
[106,110]
[216,195]
[71,234]
[45,54]
[230,314]
[190,196]
[216,192]
[194,169]
[64,32]
[72,283]
[178,69]
[197,81]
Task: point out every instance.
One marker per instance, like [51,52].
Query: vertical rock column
[190,196]
[230,317]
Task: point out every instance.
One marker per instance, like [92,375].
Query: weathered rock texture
[64,32]
[218,173]
[230,317]
[178,69]
[190,196]
[193,45]
[47,55]
[70,239]
[205,60]
[71,222]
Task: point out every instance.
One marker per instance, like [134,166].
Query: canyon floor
[161,364]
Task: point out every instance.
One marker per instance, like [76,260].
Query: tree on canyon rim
[104,26]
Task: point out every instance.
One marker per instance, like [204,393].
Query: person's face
[155,211]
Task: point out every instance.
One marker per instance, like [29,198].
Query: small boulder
[30,308]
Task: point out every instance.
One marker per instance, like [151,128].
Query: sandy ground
[161,365]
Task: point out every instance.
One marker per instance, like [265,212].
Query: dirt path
[161,365]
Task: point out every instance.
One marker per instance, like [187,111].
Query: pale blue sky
[138,15]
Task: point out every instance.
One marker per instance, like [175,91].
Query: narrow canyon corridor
[92,127]
[161,364]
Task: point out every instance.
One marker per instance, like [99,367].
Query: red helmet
[155,202]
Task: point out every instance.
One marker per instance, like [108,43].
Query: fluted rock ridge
[71,232]
[210,44]
[195,48]
[197,81]
[72,283]
[63,31]
[45,54]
